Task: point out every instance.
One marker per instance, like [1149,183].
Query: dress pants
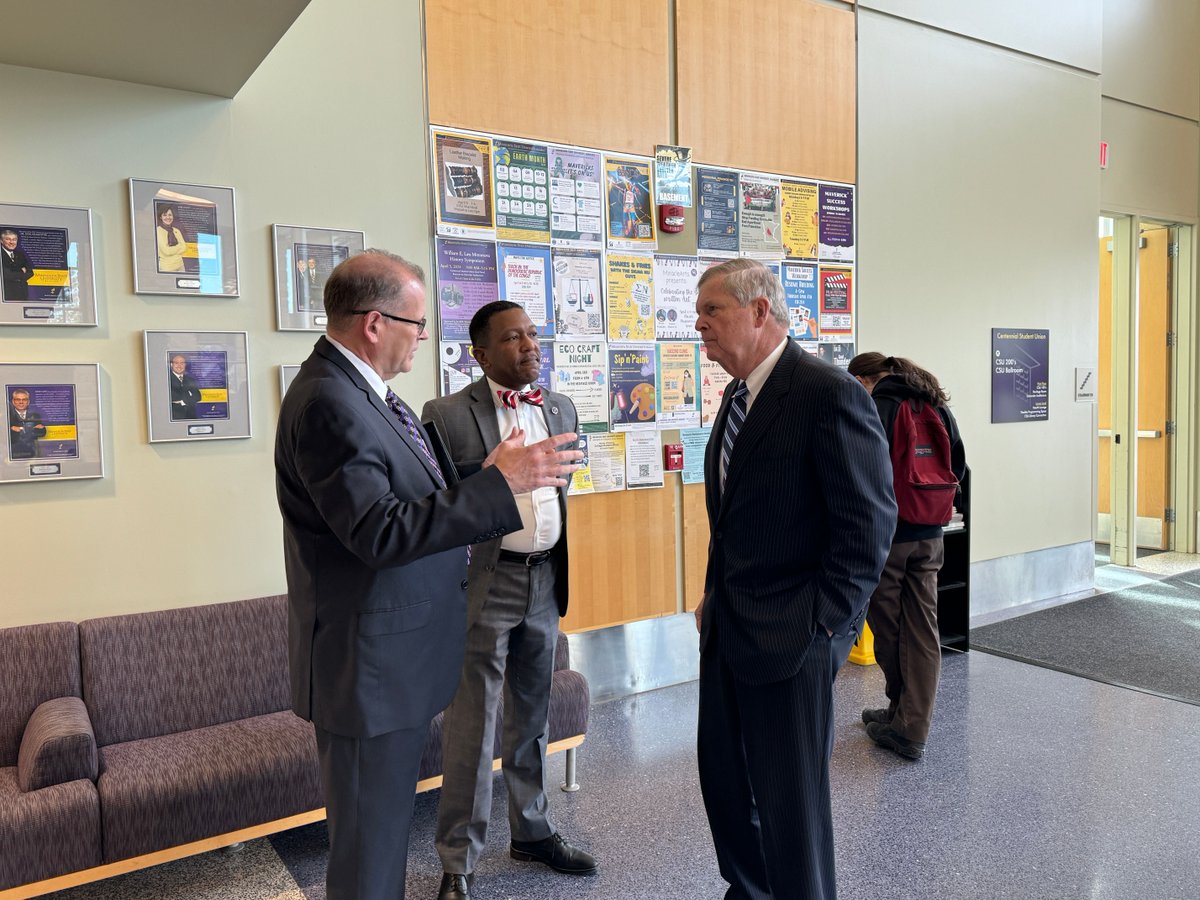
[369,786]
[903,617]
[510,648]
[764,773]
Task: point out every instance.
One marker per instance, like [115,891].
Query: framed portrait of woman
[184,239]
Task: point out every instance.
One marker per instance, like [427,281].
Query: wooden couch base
[217,842]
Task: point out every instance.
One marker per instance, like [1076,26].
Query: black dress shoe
[887,736]
[556,853]
[455,887]
[882,716]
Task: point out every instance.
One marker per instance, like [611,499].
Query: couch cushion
[569,703]
[163,672]
[37,663]
[178,788]
[48,832]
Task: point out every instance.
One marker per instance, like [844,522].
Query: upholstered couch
[131,740]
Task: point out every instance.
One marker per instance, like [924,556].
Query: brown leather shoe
[556,853]
[455,887]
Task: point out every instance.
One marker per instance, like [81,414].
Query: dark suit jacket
[468,421]
[187,392]
[17,273]
[23,444]
[375,555]
[802,530]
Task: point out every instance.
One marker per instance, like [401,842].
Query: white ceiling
[207,46]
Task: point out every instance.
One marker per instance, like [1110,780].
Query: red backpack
[924,483]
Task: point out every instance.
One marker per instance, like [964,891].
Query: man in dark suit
[185,393]
[16,267]
[517,591]
[801,514]
[25,427]
[375,547]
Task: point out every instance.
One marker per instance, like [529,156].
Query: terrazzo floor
[1036,784]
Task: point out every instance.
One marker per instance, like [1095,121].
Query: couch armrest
[562,653]
[58,745]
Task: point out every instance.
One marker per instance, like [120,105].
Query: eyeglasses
[420,323]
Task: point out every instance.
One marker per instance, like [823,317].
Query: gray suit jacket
[467,419]
[375,555]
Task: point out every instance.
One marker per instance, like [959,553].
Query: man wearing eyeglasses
[376,552]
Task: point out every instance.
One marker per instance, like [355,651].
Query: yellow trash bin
[863,651]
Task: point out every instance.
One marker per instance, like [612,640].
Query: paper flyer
[630,204]
[836,224]
[524,272]
[576,198]
[466,280]
[458,366]
[800,289]
[799,202]
[581,372]
[546,373]
[581,479]
[712,388]
[675,280]
[578,294]
[839,354]
[695,443]
[760,225]
[837,303]
[462,167]
[632,394]
[717,212]
[630,296]
[606,456]
[522,191]
[673,175]
[643,460]
[678,397]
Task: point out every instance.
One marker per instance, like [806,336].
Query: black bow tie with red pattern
[512,398]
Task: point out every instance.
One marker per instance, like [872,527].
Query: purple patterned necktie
[406,420]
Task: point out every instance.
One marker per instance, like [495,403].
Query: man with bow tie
[517,590]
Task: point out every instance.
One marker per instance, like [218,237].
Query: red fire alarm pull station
[670,218]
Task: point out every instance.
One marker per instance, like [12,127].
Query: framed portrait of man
[304,257]
[196,385]
[52,422]
[46,273]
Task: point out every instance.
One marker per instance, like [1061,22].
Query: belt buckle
[536,558]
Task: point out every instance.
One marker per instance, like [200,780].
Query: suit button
[489,568]
[464,584]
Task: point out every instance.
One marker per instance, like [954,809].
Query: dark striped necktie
[406,420]
[733,424]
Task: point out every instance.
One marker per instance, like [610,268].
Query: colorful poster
[466,280]
[632,394]
[717,216]
[546,373]
[1020,375]
[837,303]
[581,372]
[522,192]
[675,280]
[799,202]
[576,198]
[836,226]
[606,458]
[40,260]
[524,272]
[458,366]
[462,167]
[800,289]
[836,353]
[630,204]
[630,296]
[578,294]
[673,175]
[42,421]
[695,443]
[760,227]
[643,460]
[677,374]
[581,478]
[713,380]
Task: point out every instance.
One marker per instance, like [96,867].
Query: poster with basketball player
[629,196]
[632,391]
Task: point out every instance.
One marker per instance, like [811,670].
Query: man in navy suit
[375,547]
[798,485]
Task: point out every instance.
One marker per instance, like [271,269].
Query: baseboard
[217,842]
[1023,578]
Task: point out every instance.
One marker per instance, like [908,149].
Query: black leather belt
[529,560]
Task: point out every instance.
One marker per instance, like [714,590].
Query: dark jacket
[889,393]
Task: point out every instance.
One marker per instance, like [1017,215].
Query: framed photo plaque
[46,263]
[184,239]
[53,422]
[304,257]
[197,386]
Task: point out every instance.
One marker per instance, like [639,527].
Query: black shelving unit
[954,580]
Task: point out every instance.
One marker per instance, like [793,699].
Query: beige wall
[1153,163]
[979,188]
[1151,54]
[328,132]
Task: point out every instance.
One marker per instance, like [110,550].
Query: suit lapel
[483,408]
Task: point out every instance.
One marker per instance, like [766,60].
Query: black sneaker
[556,853]
[882,716]
[886,736]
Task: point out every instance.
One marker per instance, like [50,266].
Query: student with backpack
[928,465]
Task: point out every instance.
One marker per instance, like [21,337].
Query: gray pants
[510,646]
